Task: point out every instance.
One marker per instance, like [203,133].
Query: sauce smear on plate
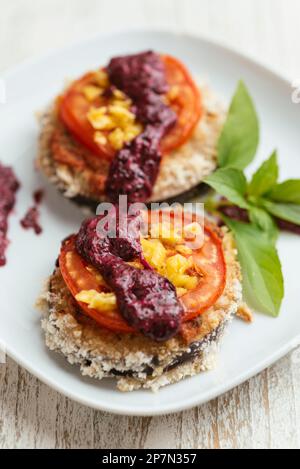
[31,218]
[8,188]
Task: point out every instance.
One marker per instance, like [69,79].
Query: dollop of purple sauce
[135,167]
[146,300]
[8,188]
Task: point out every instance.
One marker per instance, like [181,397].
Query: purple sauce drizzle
[38,196]
[31,217]
[288,226]
[235,213]
[8,188]
[240,214]
[31,220]
[146,300]
[135,167]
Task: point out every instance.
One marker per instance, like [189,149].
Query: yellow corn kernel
[101,78]
[166,232]
[181,291]
[96,300]
[124,103]
[100,138]
[99,120]
[176,267]
[121,115]
[116,138]
[118,94]
[131,131]
[178,264]
[188,282]
[184,250]
[98,111]
[91,92]
[155,253]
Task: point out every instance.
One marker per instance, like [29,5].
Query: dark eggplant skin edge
[195,350]
[187,196]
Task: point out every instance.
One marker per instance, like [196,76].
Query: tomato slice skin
[208,260]
[73,108]
[187,104]
[77,278]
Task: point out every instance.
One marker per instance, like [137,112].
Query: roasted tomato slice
[78,277]
[208,261]
[184,98]
[210,264]
[73,109]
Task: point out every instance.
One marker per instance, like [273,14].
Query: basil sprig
[286,192]
[262,275]
[240,135]
[261,219]
[263,199]
[230,183]
[265,177]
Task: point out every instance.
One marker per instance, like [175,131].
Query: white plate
[246,350]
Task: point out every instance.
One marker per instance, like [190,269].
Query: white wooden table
[263,412]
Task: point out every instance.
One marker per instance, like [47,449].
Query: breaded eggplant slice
[180,172]
[134,360]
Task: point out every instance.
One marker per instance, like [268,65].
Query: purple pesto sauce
[146,300]
[135,167]
[32,216]
[240,214]
[8,188]
[30,221]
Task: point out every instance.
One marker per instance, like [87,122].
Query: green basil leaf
[265,177]
[261,268]
[288,212]
[231,183]
[287,191]
[240,135]
[265,222]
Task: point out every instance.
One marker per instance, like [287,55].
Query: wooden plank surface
[261,413]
